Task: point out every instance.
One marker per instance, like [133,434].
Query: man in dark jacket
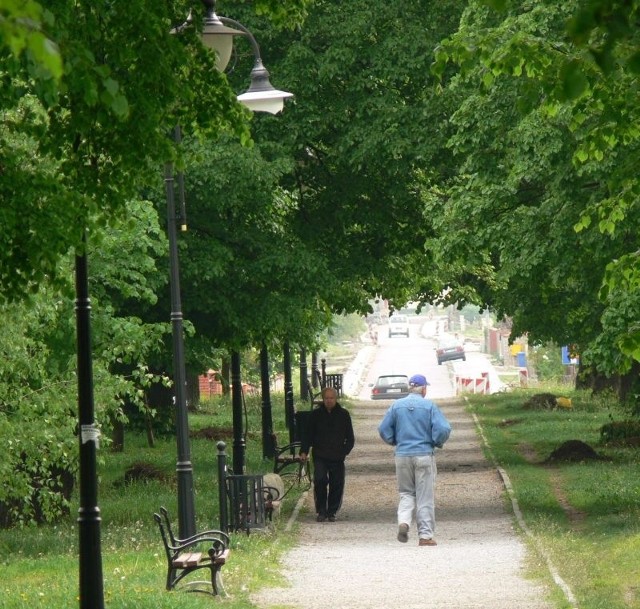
[330,433]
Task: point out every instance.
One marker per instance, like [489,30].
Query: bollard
[222,486]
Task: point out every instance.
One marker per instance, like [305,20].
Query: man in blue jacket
[416,427]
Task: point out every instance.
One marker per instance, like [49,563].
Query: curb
[296,511]
[356,372]
[566,590]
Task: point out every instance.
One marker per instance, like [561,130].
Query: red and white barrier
[523,374]
[485,376]
[476,384]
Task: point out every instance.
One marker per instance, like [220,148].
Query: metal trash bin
[246,502]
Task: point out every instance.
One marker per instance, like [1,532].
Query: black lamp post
[304,380]
[91,583]
[184,468]
[314,370]
[216,36]
[289,409]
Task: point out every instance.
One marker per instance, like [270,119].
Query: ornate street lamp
[184,468]
[260,97]
[217,36]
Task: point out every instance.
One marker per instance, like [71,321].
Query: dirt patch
[625,442]
[213,433]
[573,451]
[576,517]
[140,471]
[541,401]
[528,452]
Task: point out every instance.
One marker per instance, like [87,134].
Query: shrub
[620,431]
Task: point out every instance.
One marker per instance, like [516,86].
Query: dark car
[449,349]
[390,387]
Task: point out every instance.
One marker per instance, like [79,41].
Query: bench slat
[187,559]
[220,560]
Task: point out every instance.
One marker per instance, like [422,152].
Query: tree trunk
[623,385]
[117,435]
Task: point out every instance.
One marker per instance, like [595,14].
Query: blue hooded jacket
[415,426]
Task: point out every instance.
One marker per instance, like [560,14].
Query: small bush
[624,432]
[546,360]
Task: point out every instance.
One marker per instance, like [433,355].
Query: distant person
[373,333]
[415,426]
[330,435]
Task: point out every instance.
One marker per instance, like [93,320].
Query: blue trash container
[522,359]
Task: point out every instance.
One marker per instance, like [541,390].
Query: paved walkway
[358,563]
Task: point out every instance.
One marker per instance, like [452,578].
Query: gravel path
[358,563]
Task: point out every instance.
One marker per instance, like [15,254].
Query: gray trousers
[416,478]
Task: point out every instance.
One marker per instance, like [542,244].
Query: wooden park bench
[206,550]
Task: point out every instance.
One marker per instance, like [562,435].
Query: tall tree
[78,142]
[37,371]
[545,143]
[360,128]
[245,275]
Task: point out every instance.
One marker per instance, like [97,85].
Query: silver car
[398,326]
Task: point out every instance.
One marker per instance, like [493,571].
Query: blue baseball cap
[417,380]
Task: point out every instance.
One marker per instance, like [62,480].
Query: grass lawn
[584,511]
[40,563]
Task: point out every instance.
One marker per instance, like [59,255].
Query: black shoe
[332,517]
[321,517]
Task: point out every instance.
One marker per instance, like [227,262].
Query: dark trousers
[328,485]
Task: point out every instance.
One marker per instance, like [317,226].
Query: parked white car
[398,325]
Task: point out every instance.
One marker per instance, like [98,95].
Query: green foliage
[246,276]
[38,384]
[75,153]
[347,328]
[620,432]
[543,182]
[546,360]
[35,419]
[359,129]
[21,33]
[289,14]
[471,313]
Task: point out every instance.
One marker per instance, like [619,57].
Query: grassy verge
[40,564]
[584,512]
